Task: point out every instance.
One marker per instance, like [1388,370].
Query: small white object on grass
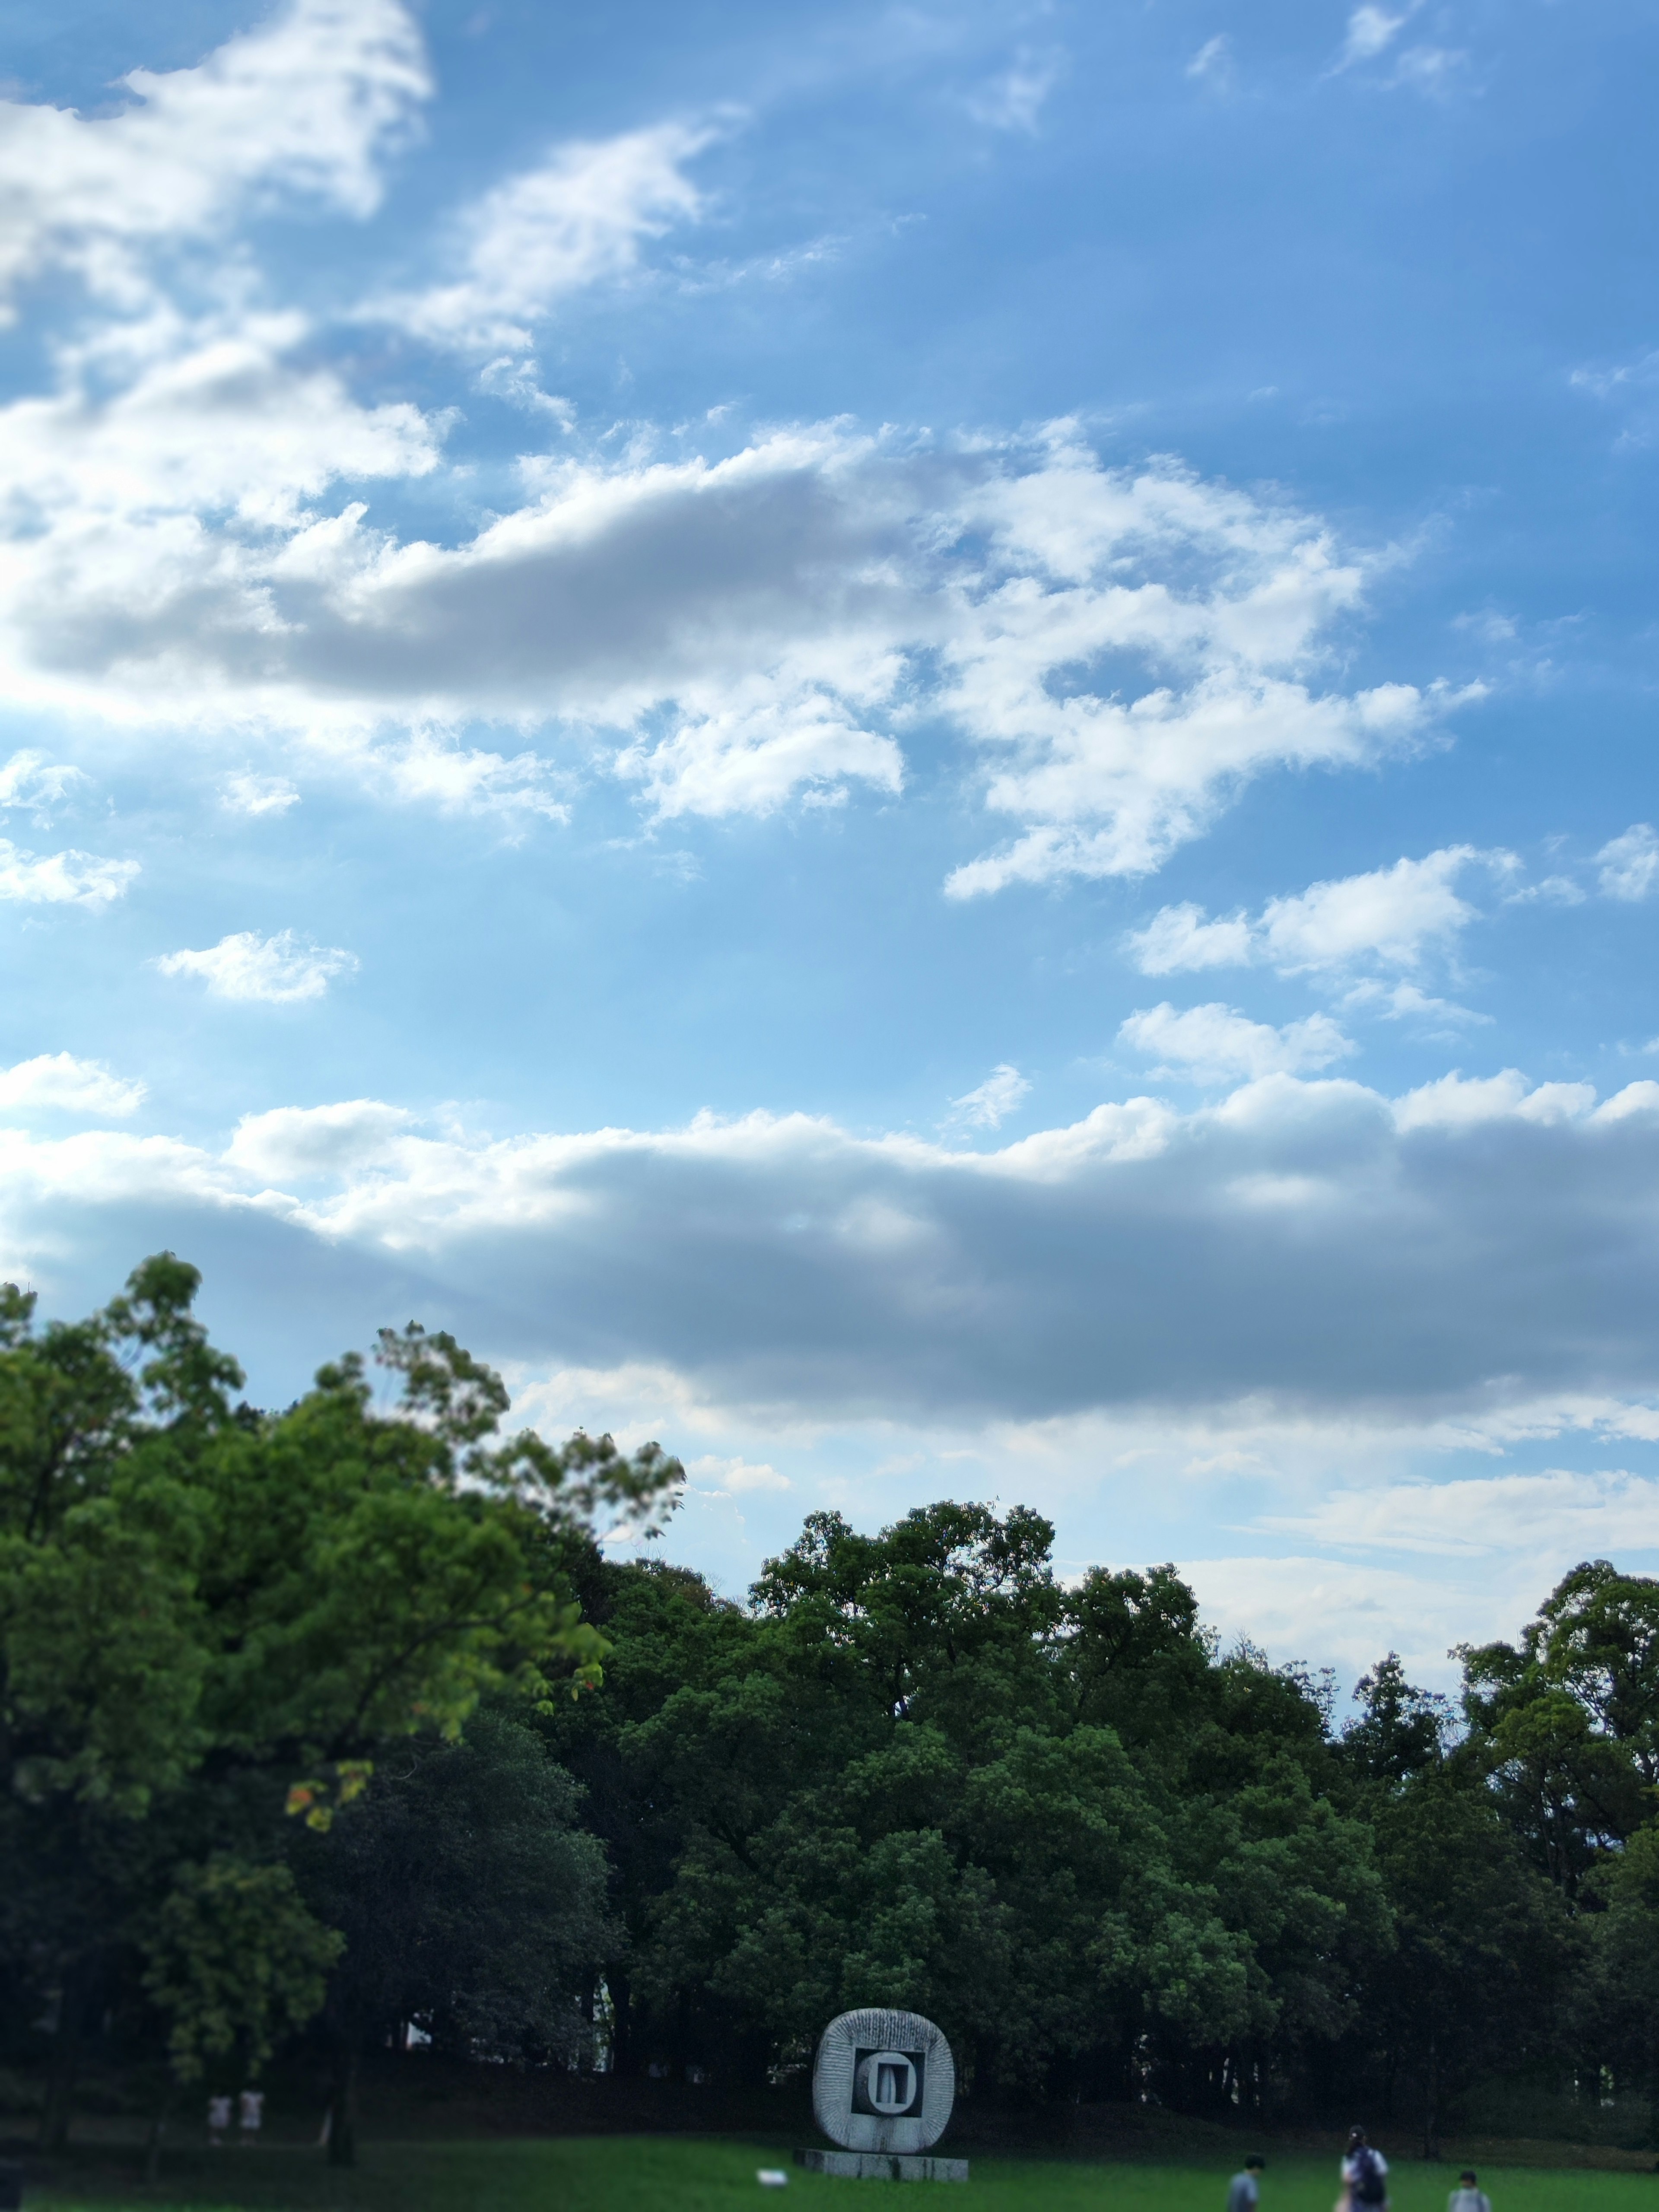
[771,2177]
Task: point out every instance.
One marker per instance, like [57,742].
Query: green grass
[640,2173]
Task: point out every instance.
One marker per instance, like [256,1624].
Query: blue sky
[910,744]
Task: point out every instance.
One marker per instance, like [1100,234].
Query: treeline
[293,1757]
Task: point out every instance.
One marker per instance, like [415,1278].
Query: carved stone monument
[883,2087]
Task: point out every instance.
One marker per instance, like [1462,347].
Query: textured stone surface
[879,2166]
[882,2081]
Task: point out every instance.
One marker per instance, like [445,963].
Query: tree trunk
[624,2056]
[63,2063]
[1432,2101]
[157,2129]
[343,2104]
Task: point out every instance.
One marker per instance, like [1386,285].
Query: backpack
[1368,2187]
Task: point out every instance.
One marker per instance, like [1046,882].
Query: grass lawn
[664,2173]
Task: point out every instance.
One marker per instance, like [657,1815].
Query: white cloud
[763,748]
[1550,890]
[1337,1611]
[1013,101]
[1460,1101]
[1216,1043]
[1394,916]
[1571,1515]
[1371,31]
[187,541]
[1178,940]
[1404,1001]
[580,217]
[1630,864]
[735,1475]
[29,779]
[247,793]
[301,1142]
[988,1105]
[68,879]
[1212,63]
[306,104]
[59,1081]
[276,970]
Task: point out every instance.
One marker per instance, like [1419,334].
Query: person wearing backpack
[1364,2176]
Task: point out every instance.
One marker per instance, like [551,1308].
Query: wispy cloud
[579,218]
[989,1104]
[276,970]
[1630,864]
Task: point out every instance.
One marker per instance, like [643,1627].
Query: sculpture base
[882,2165]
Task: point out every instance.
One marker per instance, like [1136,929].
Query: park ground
[661,2174]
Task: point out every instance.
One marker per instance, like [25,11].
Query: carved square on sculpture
[889,2083]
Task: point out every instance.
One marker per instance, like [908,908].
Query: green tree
[206,1610]
[471,1902]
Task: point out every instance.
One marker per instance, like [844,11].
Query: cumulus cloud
[187,538]
[1460,1257]
[306,104]
[276,970]
[68,878]
[62,1084]
[713,1474]
[580,217]
[1121,650]
[1630,864]
[1216,1043]
[298,1144]
[989,1104]
[1394,916]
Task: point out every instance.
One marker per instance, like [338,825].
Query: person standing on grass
[1469,2195]
[1364,2177]
[1244,2190]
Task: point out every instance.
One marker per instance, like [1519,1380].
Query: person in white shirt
[1469,2195]
[250,2113]
[1244,2190]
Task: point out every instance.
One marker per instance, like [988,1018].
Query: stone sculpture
[883,2087]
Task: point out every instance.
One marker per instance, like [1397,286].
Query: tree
[469,1900]
[208,1612]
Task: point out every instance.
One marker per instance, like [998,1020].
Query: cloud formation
[1630,865]
[189,535]
[272,970]
[62,1084]
[67,879]
[1303,1248]
[988,1105]
[576,220]
[1216,1044]
[306,104]
[1392,916]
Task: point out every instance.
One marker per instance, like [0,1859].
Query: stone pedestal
[882,2165]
